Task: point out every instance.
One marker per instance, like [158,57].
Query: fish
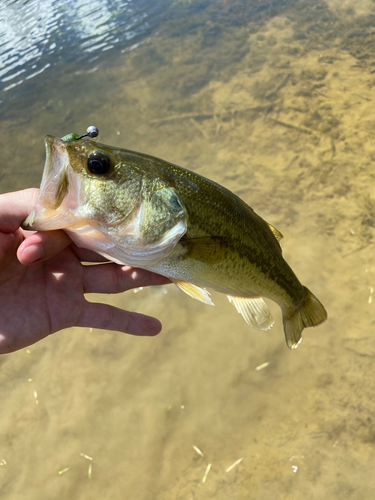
[141,211]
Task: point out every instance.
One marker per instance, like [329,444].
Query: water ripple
[36,35]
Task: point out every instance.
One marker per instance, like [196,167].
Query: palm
[42,298]
[45,297]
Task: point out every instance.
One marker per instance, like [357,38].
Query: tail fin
[311,314]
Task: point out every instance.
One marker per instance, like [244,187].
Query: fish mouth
[50,211]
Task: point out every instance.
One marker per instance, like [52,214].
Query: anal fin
[194,291]
[254,311]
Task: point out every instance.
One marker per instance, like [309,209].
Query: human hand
[43,282]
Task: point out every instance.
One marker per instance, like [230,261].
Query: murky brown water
[276,102]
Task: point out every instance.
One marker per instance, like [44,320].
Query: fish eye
[98,162]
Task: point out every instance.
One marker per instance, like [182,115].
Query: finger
[107,317]
[113,278]
[15,207]
[42,246]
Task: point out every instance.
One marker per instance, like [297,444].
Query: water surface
[275,101]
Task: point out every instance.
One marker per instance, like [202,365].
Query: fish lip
[55,166]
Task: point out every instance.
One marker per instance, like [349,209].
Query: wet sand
[286,121]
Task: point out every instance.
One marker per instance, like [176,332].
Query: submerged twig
[198,450]
[208,116]
[206,473]
[63,470]
[234,464]
[288,125]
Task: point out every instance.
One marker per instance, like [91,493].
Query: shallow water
[274,101]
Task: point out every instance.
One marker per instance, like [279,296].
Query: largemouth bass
[138,210]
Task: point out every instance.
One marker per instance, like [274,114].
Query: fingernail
[32,254]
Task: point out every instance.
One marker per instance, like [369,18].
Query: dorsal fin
[275,232]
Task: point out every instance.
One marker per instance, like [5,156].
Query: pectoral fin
[210,249]
[254,311]
[194,291]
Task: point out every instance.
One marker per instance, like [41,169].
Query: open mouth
[48,213]
[54,174]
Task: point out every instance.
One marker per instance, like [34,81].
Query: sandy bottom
[289,127]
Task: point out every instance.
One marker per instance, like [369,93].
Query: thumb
[42,246]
